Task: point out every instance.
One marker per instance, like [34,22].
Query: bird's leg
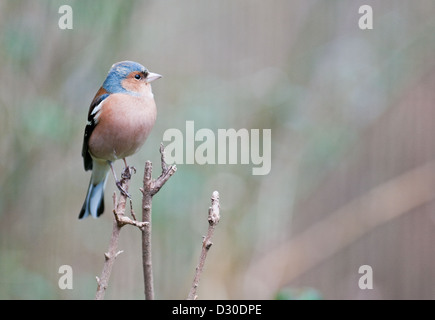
[126,174]
[117,182]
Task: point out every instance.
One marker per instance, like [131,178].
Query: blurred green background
[352,115]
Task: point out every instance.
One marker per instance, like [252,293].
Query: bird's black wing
[90,126]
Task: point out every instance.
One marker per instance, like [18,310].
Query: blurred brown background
[353,155]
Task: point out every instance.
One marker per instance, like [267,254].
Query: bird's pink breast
[123,126]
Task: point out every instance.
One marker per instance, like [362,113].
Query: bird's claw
[126,174]
[122,190]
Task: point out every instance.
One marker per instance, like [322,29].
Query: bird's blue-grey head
[120,71]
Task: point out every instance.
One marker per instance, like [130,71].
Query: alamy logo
[66,20]
[249,146]
[66,278]
[365,22]
[366,280]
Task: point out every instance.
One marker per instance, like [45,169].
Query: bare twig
[146,233]
[213,220]
[110,257]
[150,188]
[119,220]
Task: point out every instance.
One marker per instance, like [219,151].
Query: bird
[120,118]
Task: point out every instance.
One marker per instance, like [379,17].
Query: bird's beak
[152,76]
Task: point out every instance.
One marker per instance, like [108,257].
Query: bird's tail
[94,202]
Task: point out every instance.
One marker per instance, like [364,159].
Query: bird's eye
[138,76]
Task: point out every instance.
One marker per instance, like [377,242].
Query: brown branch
[150,188]
[213,220]
[119,220]
[146,233]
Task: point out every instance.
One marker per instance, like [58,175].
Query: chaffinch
[120,119]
